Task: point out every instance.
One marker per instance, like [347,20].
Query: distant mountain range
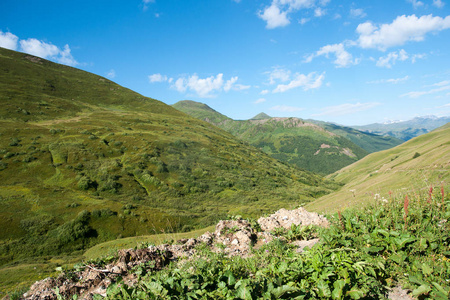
[311,145]
[406,130]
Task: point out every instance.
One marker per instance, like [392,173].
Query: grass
[362,255]
[395,170]
[111,247]
[295,141]
[85,161]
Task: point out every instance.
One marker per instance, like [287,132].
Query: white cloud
[279,74]
[264,92]
[146,2]
[391,80]
[416,4]
[418,56]
[303,21]
[401,30]
[204,87]
[260,100]
[8,40]
[157,78]
[357,13]
[343,58]
[441,86]
[39,48]
[438,3]
[391,58]
[319,12]
[285,108]
[276,15]
[346,109]
[111,73]
[229,83]
[307,82]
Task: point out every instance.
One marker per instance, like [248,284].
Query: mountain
[406,130]
[410,168]
[314,146]
[370,142]
[261,116]
[84,160]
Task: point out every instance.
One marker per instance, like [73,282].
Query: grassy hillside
[406,130]
[84,160]
[411,167]
[311,145]
[370,142]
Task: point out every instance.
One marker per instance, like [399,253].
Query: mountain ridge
[308,145]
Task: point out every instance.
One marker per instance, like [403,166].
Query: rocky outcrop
[233,237]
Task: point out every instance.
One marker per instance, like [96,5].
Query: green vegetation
[321,148]
[370,142]
[361,256]
[413,166]
[84,161]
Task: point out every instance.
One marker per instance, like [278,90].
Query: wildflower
[405,207]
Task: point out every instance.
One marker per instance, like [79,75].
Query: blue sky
[349,62]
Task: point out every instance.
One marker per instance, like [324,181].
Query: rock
[285,218]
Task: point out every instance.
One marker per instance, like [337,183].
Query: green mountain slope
[411,167]
[406,130]
[370,142]
[84,160]
[312,145]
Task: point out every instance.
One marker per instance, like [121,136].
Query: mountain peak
[261,116]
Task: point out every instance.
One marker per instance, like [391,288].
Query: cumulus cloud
[346,109]
[279,74]
[437,88]
[260,100]
[357,13]
[343,58]
[319,12]
[204,87]
[438,3]
[8,40]
[157,78]
[390,59]
[276,15]
[48,51]
[285,108]
[307,82]
[416,3]
[264,92]
[403,29]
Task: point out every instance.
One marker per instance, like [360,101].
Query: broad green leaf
[324,289]
[281,290]
[355,294]
[423,289]
[440,288]
[230,277]
[397,258]
[426,269]
[338,289]
[244,292]
[403,241]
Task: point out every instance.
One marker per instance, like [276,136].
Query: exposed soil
[234,237]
